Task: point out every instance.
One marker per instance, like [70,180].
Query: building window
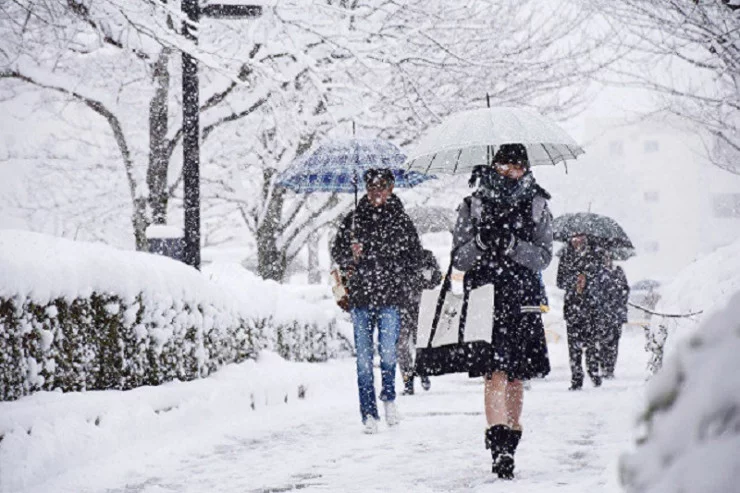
[651,146]
[652,246]
[616,148]
[652,196]
[726,205]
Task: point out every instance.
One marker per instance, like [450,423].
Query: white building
[654,178]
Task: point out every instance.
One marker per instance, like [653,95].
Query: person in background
[378,247]
[614,293]
[578,271]
[428,277]
[503,236]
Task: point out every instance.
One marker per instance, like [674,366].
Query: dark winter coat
[590,262]
[391,253]
[518,335]
[429,276]
[611,291]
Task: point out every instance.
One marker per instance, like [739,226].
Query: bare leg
[495,399]
[514,403]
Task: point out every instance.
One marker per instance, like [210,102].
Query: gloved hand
[496,239]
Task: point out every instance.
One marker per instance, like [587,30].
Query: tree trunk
[140,223]
[314,273]
[271,259]
[156,176]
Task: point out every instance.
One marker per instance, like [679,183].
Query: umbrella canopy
[432,219]
[618,254]
[338,166]
[470,138]
[602,228]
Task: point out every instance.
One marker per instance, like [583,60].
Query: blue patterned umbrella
[338,166]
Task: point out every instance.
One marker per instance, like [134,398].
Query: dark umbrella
[603,229]
[618,254]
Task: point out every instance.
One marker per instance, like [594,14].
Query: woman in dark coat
[378,247]
[503,237]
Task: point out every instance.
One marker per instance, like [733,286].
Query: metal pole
[191,118]
[488,148]
[191,140]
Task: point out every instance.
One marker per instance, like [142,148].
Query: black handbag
[457,338]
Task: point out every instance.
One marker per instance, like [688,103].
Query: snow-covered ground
[205,436]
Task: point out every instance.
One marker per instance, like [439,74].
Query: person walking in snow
[578,273]
[378,247]
[503,236]
[428,277]
[614,291]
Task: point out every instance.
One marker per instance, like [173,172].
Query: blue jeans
[388,321]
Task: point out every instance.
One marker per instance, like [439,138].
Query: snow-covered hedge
[77,316]
[689,431]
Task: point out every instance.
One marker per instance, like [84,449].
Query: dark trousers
[582,338]
[406,346]
[609,348]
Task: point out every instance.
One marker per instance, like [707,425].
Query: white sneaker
[370,427]
[392,416]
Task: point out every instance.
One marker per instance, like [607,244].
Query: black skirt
[519,348]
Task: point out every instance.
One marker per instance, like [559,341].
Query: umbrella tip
[488,100]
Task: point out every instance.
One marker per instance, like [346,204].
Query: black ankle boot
[408,386]
[503,442]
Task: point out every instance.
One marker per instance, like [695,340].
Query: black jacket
[386,272]
[611,291]
[429,276]
[590,262]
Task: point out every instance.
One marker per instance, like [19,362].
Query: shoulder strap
[446,284]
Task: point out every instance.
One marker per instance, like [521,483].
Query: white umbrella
[469,138]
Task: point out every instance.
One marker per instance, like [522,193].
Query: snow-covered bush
[80,316]
[690,436]
[689,431]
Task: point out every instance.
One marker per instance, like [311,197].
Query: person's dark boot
[408,386]
[596,379]
[493,438]
[576,385]
[426,384]
[503,442]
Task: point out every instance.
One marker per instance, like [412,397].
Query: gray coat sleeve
[464,244]
[537,254]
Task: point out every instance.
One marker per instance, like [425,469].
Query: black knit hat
[511,154]
[375,175]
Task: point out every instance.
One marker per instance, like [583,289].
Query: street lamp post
[191,117]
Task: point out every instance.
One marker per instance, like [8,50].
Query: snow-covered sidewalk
[217,442]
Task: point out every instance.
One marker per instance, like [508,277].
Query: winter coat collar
[392,207]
